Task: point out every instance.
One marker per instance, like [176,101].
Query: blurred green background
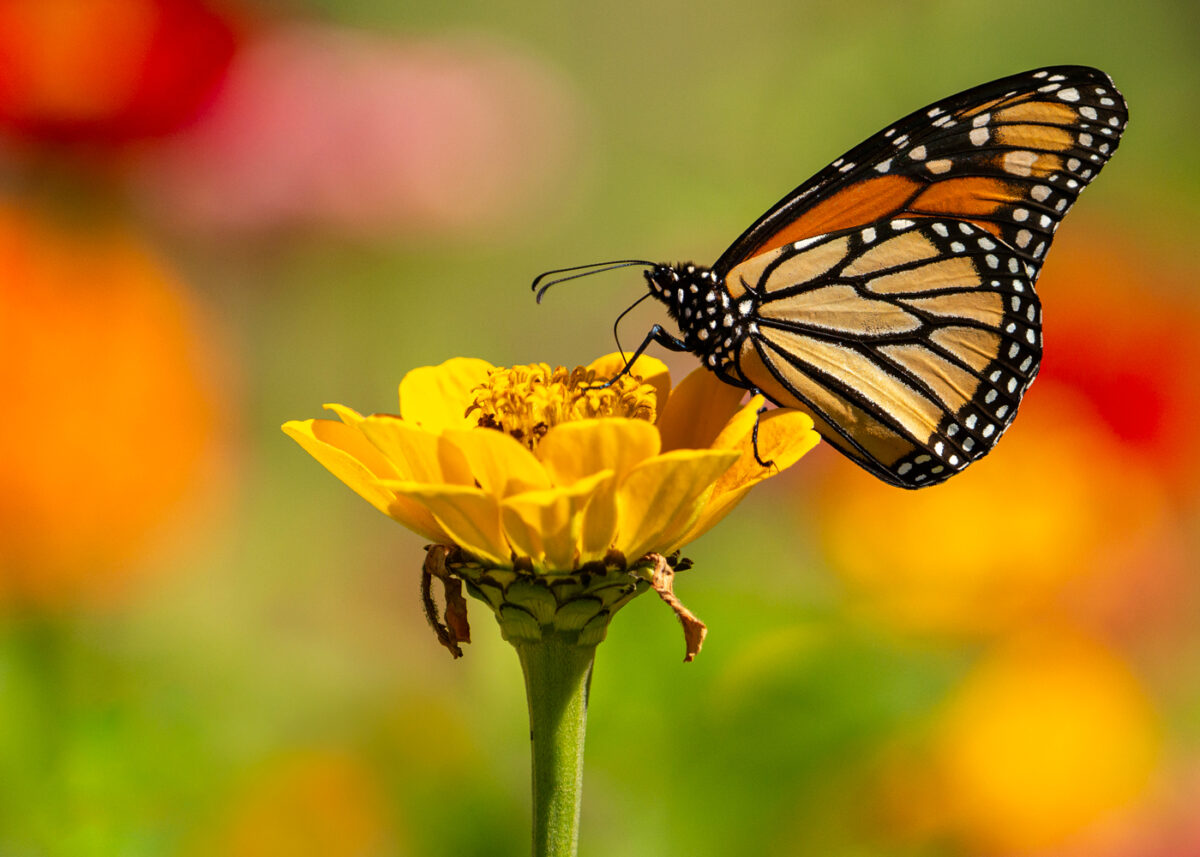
[217,216]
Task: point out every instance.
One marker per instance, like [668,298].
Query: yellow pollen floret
[527,401]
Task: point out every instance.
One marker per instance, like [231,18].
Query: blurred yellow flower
[1050,735]
[542,469]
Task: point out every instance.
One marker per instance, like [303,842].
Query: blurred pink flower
[339,129]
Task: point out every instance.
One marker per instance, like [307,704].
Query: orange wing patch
[1034,137]
[1046,112]
[971,196]
[862,202]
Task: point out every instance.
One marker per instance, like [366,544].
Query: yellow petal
[347,415]
[418,454]
[469,516]
[697,411]
[547,526]
[783,437]
[650,369]
[571,451]
[437,397]
[659,501]
[351,458]
[600,521]
[498,462]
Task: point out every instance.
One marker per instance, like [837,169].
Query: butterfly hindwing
[909,341]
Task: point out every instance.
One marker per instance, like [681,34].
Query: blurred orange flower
[110,407]
[307,804]
[105,71]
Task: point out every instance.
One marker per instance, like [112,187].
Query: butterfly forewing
[1011,156]
[910,341]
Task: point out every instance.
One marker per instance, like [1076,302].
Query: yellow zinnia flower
[565,472]
[557,498]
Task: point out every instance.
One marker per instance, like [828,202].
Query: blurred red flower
[1122,328]
[108,71]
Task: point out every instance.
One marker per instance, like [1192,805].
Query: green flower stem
[558,673]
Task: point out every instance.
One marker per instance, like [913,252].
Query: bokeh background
[218,214]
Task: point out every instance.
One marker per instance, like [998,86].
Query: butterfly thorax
[711,323]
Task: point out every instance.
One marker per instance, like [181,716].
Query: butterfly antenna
[584,271]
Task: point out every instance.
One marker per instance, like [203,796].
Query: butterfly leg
[657,334]
[754,434]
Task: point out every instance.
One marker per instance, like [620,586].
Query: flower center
[527,401]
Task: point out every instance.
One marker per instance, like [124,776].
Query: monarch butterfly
[891,296]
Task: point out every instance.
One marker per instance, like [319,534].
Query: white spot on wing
[1019,163]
